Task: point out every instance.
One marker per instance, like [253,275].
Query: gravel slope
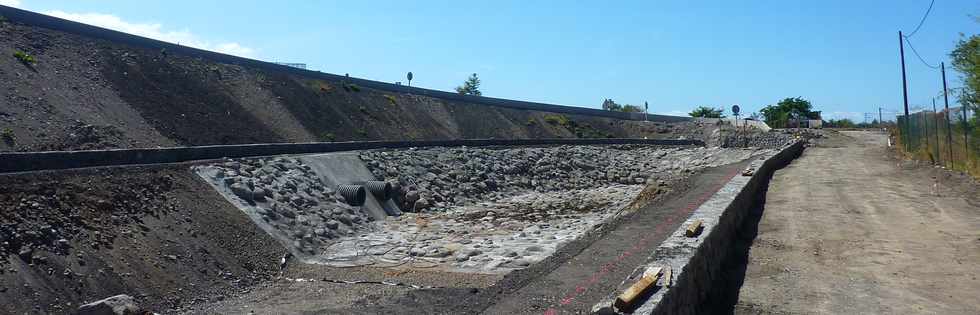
[88,94]
[157,233]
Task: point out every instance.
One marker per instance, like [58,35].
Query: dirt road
[848,229]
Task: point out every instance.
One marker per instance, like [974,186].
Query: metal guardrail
[56,160]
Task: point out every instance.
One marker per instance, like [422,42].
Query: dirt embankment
[84,93]
[157,233]
[847,229]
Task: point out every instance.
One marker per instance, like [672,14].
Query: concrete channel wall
[697,262]
[35,161]
[49,22]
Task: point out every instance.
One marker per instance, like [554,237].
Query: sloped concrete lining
[336,169]
[696,262]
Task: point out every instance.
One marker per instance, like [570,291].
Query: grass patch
[531,122]
[7,135]
[362,132]
[321,86]
[391,99]
[328,136]
[25,58]
[557,120]
[580,130]
[351,87]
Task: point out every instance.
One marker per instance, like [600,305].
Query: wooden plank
[649,279]
[694,228]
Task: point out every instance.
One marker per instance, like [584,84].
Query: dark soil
[190,107]
[157,233]
[129,97]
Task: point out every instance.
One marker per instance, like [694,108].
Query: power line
[923,20]
[917,54]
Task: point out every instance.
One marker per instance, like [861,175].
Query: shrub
[559,120]
[531,122]
[351,87]
[391,99]
[7,134]
[321,86]
[329,136]
[25,58]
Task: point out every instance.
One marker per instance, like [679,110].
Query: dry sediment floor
[847,229]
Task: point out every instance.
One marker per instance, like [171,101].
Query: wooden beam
[694,228]
[649,279]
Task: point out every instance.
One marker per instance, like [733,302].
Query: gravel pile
[49,221]
[499,209]
[288,196]
[440,178]
[475,209]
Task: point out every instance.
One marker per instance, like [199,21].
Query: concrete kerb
[696,262]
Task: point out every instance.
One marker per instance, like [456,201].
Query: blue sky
[676,55]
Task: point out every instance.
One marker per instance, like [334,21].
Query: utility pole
[905,92]
[646,111]
[925,126]
[966,137]
[880,123]
[949,132]
[935,126]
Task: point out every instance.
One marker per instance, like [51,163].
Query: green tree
[609,104]
[471,86]
[841,123]
[966,60]
[790,107]
[708,112]
[632,108]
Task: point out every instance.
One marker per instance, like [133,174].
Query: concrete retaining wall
[699,259]
[49,22]
[34,161]
[757,124]
[697,262]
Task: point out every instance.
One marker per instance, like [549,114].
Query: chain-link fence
[951,138]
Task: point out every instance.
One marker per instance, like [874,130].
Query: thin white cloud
[10,3]
[153,30]
[673,113]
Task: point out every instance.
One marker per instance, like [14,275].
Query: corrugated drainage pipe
[380,189]
[353,194]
